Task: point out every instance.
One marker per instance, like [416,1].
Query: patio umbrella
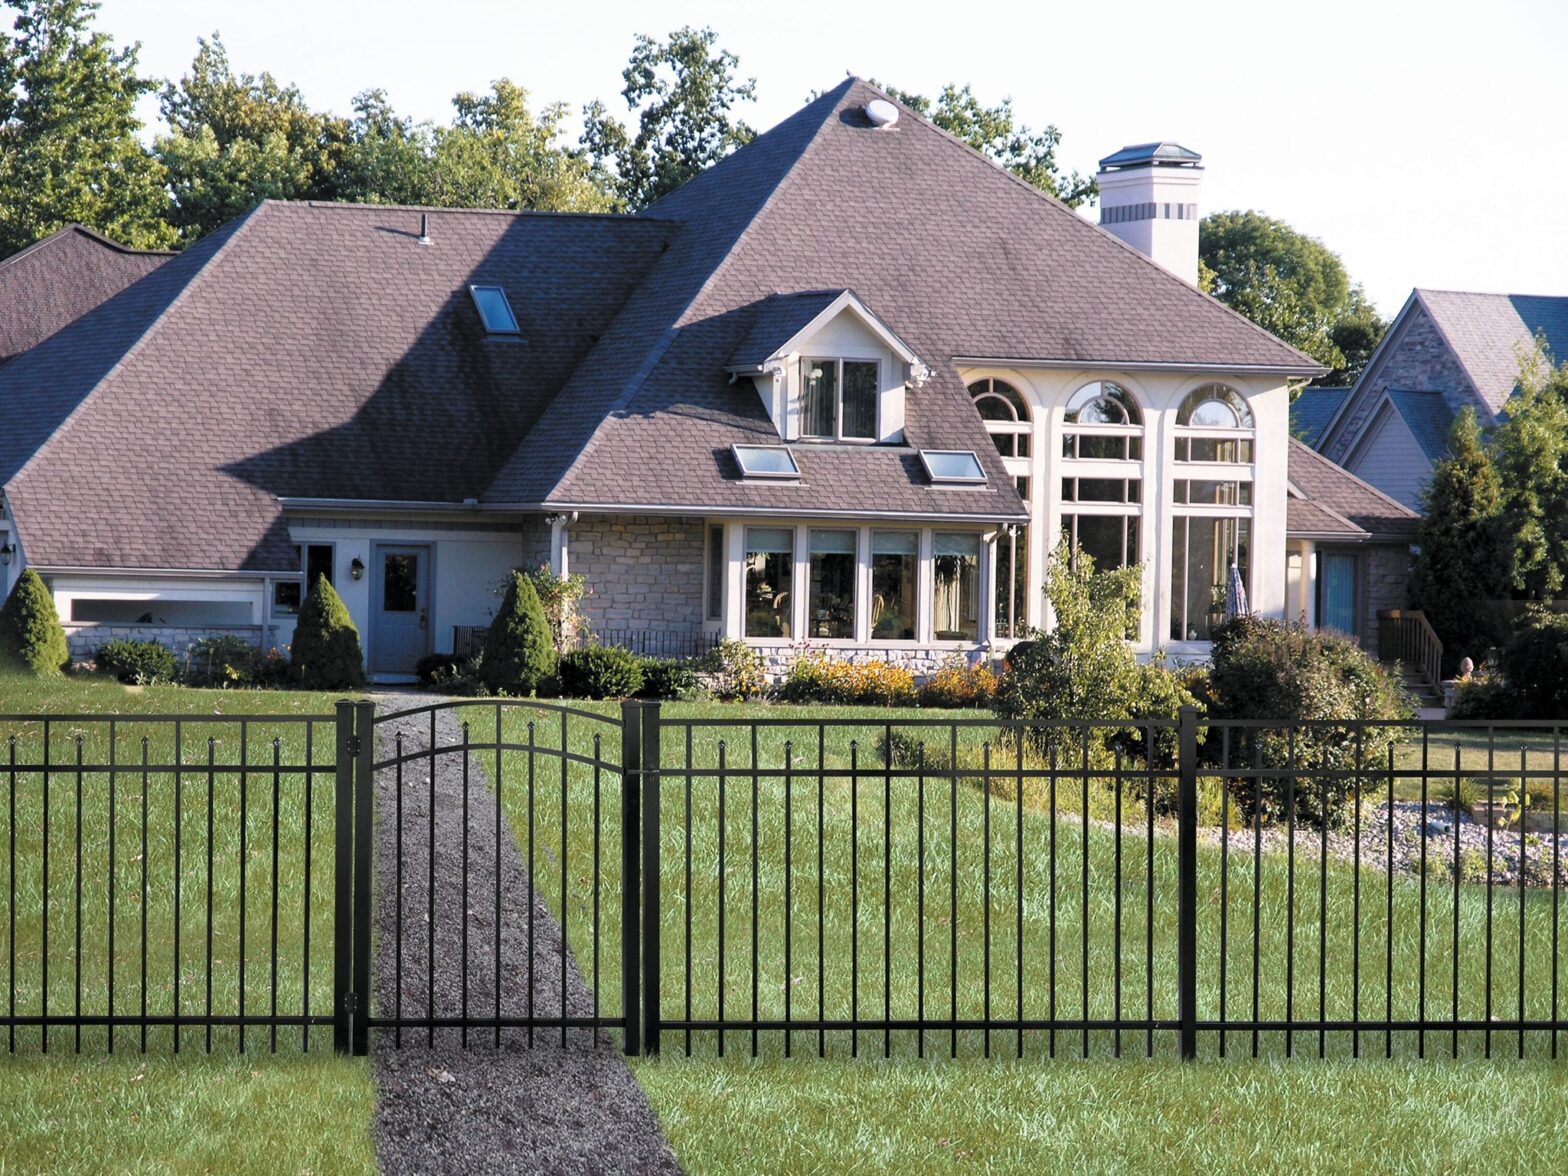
[1236,595]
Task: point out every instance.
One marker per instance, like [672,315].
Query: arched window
[1214,406]
[1211,531]
[1103,423]
[1006,415]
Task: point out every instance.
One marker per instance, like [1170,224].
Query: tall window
[895,579]
[957,600]
[1101,502]
[839,399]
[831,604]
[1212,529]
[1006,415]
[1012,581]
[770,574]
[715,609]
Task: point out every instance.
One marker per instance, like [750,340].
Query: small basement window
[953,465]
[494,310]
[766,461]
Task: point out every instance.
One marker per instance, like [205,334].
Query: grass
[736,1113]
[195,1112]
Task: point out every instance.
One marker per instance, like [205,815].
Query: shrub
[1535,665]
[817,677]
[558,597]
[440,669]
[735,670]
[1084,668]
[223,662]
[958,684]
[600,671]
[520,651]
[137,663]
[326,654]
[669,678]
[1289,674]
[30,631]
[1483,695]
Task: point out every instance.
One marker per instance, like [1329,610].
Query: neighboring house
[845,387]
[1445,351]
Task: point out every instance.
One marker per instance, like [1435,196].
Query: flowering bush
[734,670]
[959,685]
[817,677]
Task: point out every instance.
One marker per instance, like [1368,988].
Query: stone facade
[644,573]
[84,640]
[1419,360]
[921,660]
[1386,579]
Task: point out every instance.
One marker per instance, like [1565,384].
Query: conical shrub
[326,654]
[519,650]
[30,631]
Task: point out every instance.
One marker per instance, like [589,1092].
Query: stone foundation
[84,640]
[921,660]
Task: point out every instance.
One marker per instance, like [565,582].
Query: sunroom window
[839,399]
[1211,533]
[1103,423]
[895,580]
[1006,415]
[831,603]
[770,574]
[957,600]
[1216,426]
[1101,515]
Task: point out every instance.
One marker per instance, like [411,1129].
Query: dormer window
[838,399]
[494,310]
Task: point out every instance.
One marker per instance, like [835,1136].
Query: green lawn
[69,1112]
[773,1114]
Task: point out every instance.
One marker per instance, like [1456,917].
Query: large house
[1446,350]
[845,388]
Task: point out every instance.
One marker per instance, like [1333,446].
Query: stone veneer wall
[1420,361]
[920,660]
[644,573]
[1387,586]
[84,640]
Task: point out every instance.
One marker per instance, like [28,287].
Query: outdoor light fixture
[7,552]
[356,568]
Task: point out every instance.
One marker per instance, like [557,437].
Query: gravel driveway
[514,1108]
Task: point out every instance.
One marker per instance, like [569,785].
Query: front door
[1337,592]
[400,609]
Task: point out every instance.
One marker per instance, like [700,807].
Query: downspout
[560,543]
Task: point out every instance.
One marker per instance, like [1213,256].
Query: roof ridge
[562,214]
[93,235]
[1488,293]
[667,337]
[241,223]
[1058,205]
[1339,469]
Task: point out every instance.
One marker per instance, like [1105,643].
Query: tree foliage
[1530,447]
[1462,567]
[519,649]
[1291,285]
[30,630]
[996,133]
[683,92]
[69,150]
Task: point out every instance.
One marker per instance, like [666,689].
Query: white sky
[1421,141]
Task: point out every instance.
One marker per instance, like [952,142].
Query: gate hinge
[353,745]
[350,1003]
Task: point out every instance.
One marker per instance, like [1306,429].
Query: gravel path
[547,1108]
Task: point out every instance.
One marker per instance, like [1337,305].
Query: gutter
[1141,365]
[367,505]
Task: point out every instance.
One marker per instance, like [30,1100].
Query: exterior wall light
[356,568]
[6,552]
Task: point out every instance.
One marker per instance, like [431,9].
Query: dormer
[827,369]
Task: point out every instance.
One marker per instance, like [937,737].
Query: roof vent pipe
[424,228]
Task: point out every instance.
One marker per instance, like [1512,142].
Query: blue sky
[1423,142]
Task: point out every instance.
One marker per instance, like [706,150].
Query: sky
[1422,142]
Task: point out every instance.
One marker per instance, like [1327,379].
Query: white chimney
[1149,198]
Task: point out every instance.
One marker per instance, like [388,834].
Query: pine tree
[1530,448]
[519,649]
[325,654]
[30,632]
[1462,568]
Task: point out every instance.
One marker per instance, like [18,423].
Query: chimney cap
[1160,154]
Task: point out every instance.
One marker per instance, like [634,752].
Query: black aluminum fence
[784,885]
[671,643]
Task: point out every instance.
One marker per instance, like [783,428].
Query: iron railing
[667,643]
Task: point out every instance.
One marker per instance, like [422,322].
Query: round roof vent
[881,112]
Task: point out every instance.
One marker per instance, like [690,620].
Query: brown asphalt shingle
[1334,493]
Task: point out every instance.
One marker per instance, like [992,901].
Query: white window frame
[807,362]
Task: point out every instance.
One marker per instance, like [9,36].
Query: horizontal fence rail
[169,882]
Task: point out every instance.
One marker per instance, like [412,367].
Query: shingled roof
[955,255]
[1490,333]
[1327,501]
[55,281]
[323,352]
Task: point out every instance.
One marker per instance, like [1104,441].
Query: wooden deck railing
[1405,635]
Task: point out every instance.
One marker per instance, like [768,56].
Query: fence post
[343,884]
[651,921]
[1187,883]
[631,953]
[364,850]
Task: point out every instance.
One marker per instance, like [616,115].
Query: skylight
[953,465]
[766,461]
[494,310]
